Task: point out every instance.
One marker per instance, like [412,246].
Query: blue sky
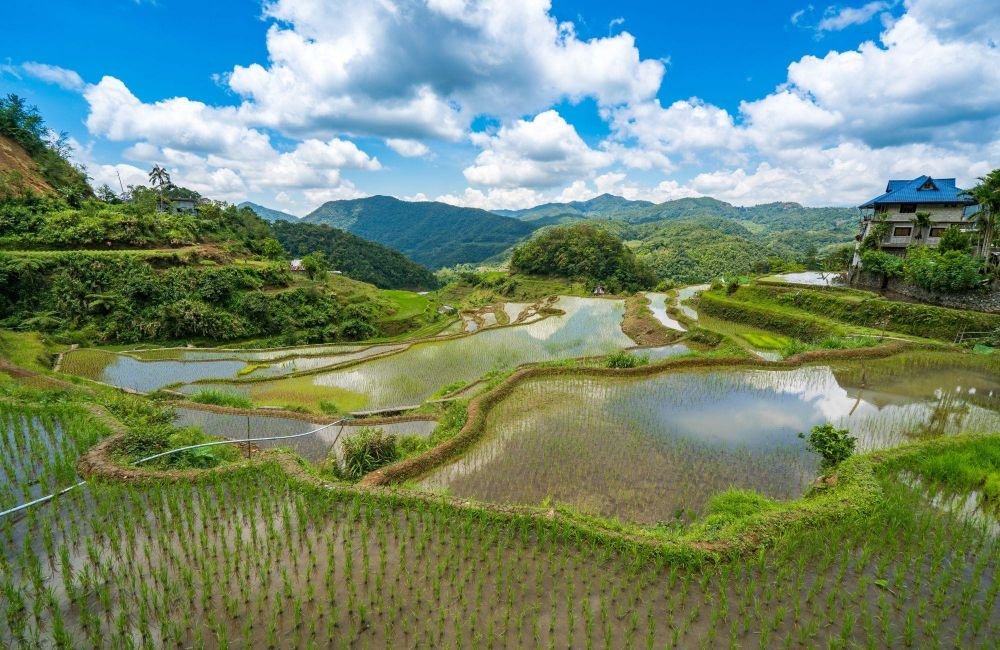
[508,103]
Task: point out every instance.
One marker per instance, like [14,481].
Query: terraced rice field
[658,305]
[589,327]
[654,448]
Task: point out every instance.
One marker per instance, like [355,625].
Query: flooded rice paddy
[649,449]
[658,305]
[588,327]
[314,448]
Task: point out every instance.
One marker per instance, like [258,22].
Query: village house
[296,265]
[918,211]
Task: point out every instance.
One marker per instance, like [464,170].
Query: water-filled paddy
[589,327]
[658,305]
[315,447]
[646,449]
[127,372]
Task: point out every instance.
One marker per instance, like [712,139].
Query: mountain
[268,214]
[429,233]
[604,205]
[356,257]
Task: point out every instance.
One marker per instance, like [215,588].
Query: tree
[987,195]
[877,232]
[921,221]
[271,249]
[158,178]
[315,265]
[833,445]
[954,239]
[106,194]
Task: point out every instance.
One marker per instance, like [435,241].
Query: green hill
[359,258]
[268,214]
[604,205]
[429,233]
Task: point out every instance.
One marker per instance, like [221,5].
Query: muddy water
[646,448]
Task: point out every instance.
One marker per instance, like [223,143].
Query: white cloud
[413,69]
[836,18]
[538,153]
[408,148]
[494,198]
[62,77]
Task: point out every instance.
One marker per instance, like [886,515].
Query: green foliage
[732,287]
[877,232]
[24,125]
[954,239]
[739,309]
[315,265]
[122,297]
[972,463]
[949,272]
[222,398]
[885,264]
[429,233]
[583,252]
[358,258]
[366,450]
[833,445]
[625,360]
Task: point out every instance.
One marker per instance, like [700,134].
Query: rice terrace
[695,345]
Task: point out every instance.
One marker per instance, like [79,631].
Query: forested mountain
[429,233]
[359,258]
[268,214]
[604,205]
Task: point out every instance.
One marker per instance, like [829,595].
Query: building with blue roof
[939,198]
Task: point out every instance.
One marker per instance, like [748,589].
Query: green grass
[970,464]
[408,304]
[766,341]
[25,349]
[222,398]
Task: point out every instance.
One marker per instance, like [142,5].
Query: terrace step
[395,410]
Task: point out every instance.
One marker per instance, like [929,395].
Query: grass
[87,362]
[222,398]
[408,304]
[25,349]
[766,341]
[972,463]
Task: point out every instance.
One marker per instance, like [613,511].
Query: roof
[922,189]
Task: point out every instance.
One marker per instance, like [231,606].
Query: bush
[222,398]
[733,286]
[833,445]
[625,360]
[881,263]
[366,451]
[949,272]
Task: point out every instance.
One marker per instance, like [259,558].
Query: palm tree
[920,221]
[158,177]
[987,195]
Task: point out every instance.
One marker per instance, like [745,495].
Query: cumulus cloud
[424,68]
[408,148]
[538,153]
[62,77]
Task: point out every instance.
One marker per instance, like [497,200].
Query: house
[185,205]
[939,199]
[599,290]
[296,265]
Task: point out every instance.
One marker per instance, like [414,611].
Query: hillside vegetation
[31,163]
[359,258]
[583,252]
[429,233]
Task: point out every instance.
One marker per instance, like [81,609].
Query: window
[901,231]
[928,185]
[907,207]
[937,232]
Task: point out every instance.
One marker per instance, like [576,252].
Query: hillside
[32,163]
[429,233]
[604,205]
[359,258]
[268,214]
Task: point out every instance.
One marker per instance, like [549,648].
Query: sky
[512,103]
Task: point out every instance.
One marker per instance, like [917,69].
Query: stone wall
[986,301]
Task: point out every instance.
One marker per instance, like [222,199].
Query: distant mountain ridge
[428,232]
[268,214]
[603,205]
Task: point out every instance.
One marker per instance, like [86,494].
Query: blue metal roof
[940,190]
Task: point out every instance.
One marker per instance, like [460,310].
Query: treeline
[120,297]
[359,258]
[583,252]
[24,125]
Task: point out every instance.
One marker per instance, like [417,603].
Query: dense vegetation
[583,252]
[432,234]
[361,259]
[23,125]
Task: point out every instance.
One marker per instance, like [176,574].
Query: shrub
[366,451]
[833,445]
[733,286]
[222,398]
[950,272]
[881,263]
[625,360]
